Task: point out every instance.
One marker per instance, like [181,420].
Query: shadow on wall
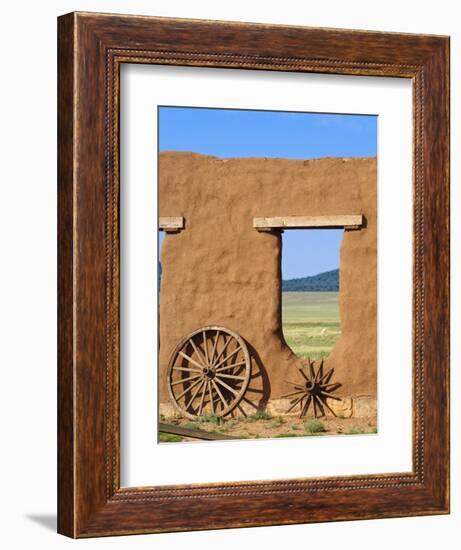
[259,388]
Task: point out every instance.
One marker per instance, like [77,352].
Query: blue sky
[228,133]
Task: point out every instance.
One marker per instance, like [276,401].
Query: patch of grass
[355,431]
[288,434]
[276,422]
[374,430]
[211,419]
[294,427]
[228,425]
[169,438]
[231,423]
[259,415]
[314,427]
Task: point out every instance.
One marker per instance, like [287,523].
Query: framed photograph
[253,275]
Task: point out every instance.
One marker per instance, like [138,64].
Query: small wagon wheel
[315,389]
[208,372]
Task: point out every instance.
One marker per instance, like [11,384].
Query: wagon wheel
[208,372]
[314,390]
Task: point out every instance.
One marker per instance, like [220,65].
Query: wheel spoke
[191,360]
[293,405]
[319,374]
[185,380]
[226,386]
[306,406]
[303,407]
[297,386]
[232,353]
[178,397]
[328,407]
[187,369]
[213,351]
[198,352]
[219,393]
[311,369]
[303,373]
[194,395]
[233,376]
[293,393]
[319,405]
[206,347]
[227,367]
[226,343]
[332,387]
[326,377]
[330,396]
[211,397]
[202,398]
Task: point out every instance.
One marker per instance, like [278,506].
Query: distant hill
[323,282]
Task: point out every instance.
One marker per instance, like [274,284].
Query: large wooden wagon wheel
[208,372]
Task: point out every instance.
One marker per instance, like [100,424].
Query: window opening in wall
[310,290]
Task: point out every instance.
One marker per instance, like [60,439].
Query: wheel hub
[209,372]
[311,387]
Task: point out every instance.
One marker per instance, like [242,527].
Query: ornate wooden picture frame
[92,48]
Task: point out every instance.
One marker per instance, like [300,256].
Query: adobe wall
[219,270]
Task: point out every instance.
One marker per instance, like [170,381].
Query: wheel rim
[208,372]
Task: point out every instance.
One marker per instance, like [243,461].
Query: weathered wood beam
[171,224]
[188,432]
[349,221]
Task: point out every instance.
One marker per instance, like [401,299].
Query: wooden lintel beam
[348,221]
[171,224]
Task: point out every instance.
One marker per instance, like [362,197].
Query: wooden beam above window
[348,221]
[171,224]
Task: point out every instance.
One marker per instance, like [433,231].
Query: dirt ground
[262,426]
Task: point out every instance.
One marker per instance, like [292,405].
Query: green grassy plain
[311,323]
